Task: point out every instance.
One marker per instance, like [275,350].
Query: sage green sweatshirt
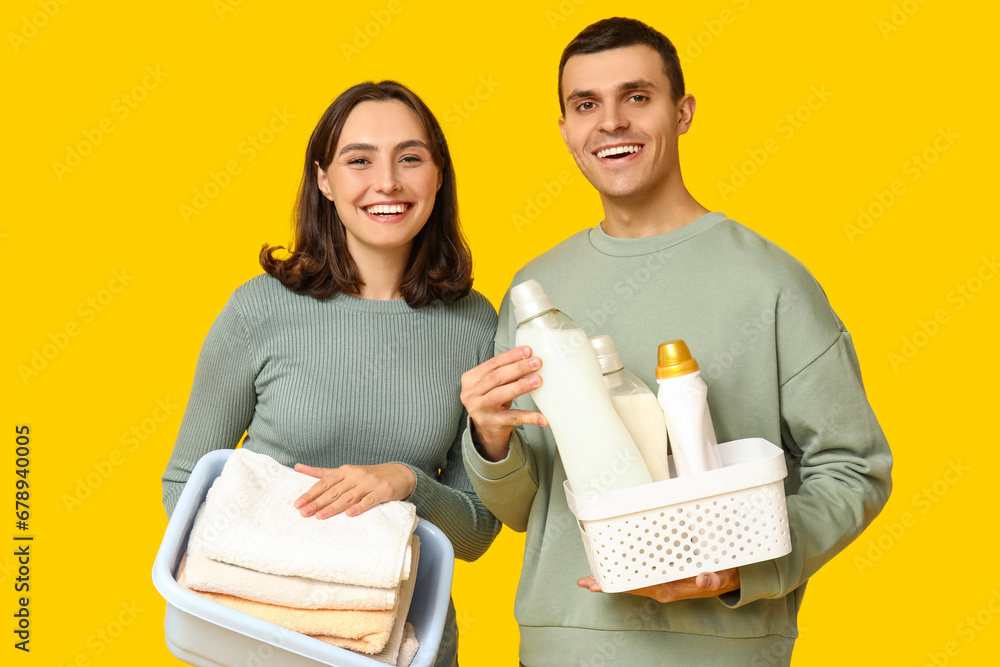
[779,365]
[341,381]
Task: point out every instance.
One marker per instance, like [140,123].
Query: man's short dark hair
[617,33]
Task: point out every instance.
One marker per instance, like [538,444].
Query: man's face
[621,125]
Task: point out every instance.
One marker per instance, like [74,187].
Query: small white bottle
[683,396]
[637,406]
[596,449]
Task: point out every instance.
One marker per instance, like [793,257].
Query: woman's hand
[353,489]
[705,585]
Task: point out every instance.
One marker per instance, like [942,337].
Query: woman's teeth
[386,209]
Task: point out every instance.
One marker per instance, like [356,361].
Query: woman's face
[382,178]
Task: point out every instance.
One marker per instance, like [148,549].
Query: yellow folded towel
[358,630]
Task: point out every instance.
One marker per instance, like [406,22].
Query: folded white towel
[212,576]
[250,521]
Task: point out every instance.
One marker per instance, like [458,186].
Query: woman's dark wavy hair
[320,264]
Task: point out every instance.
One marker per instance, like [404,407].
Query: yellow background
[895,77]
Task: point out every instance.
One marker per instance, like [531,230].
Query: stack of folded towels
[347,581]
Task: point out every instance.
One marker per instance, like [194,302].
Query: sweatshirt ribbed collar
[611,245]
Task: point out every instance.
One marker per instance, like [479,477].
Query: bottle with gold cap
[683,397]
[594,445]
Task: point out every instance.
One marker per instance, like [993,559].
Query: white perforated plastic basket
[679,527]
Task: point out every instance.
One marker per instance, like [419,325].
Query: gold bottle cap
[673,359]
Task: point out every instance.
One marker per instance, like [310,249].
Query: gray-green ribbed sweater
[343,381]
[778,364]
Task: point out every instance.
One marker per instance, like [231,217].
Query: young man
[777,360]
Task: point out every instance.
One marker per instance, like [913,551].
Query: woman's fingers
[312,499]
[355,489]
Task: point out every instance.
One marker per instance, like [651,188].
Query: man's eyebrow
[411,143]
[634,84]
[622,87]
[580,94]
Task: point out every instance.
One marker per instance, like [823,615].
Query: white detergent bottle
[637,406]
[594,445]
[683,396]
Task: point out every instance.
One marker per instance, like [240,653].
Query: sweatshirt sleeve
[843,468]
[221,403]
[507,487]
[448,499]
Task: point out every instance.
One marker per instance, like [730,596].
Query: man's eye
[638,98]
[586,106]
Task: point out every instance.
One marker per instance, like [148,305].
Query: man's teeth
[386,209]
[618,150]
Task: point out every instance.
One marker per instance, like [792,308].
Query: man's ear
[321,180]
[685,114]
[562,131]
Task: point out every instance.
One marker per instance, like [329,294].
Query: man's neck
[656,213]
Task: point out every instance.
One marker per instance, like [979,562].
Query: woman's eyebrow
[411,143]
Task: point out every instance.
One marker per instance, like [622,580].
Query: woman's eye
[358,160]
[411,159]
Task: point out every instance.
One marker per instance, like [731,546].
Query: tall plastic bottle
[594,445]
[683,396]
[637,407]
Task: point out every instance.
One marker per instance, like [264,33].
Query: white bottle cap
[529,299]
[609,358]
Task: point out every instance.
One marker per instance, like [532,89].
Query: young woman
[344,359]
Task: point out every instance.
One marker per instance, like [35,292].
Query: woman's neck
[381,271]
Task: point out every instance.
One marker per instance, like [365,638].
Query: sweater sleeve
[843,464]
[448,499]
[221,403]
[450,503]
